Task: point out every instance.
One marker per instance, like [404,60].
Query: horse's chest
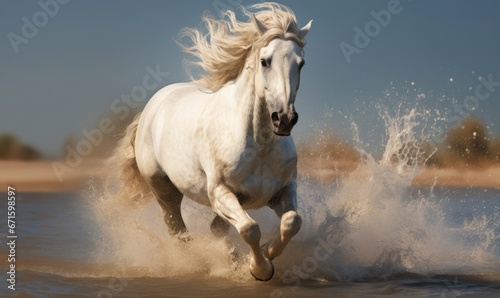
[262,180]
[258,180]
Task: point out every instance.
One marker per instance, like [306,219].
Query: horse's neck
[253,110]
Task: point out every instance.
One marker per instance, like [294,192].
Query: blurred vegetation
[12,149]
[467,145]
[330,146]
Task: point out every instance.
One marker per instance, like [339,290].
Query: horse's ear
[258,24]
[303,32]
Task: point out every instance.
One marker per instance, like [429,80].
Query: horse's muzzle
[284,122]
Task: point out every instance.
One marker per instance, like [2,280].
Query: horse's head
[278,77]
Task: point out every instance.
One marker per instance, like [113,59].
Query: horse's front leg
[285,206]
[226,205]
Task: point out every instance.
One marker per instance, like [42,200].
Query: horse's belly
[191,182]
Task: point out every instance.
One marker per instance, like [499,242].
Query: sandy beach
[40,176]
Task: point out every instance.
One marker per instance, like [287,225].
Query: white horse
[229,148]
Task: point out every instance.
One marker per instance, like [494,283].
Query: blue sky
[65,77]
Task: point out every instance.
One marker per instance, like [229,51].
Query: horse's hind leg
[170,199]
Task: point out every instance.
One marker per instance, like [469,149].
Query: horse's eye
[265,62]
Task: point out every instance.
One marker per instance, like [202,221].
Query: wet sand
[40,176]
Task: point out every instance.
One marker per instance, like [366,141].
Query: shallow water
[63,248]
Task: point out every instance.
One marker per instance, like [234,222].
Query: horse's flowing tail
[132,185]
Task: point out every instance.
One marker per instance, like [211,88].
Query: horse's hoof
[265,279]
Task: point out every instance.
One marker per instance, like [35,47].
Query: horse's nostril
[275,117]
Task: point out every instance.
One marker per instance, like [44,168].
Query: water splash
[377,228]
[135,242]
[368,226]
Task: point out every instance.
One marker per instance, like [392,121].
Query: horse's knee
[290,224]
[250,232]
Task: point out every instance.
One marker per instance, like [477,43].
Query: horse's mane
[224,49]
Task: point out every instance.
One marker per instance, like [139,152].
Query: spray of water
[377,229]
[367,226]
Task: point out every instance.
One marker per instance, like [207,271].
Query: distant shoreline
[429,176]
[39,176]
